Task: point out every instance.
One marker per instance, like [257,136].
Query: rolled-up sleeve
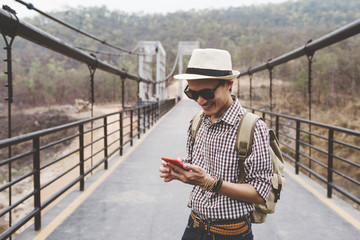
[258,165]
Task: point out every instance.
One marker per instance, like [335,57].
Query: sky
[130,6]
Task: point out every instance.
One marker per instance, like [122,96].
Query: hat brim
[187,76]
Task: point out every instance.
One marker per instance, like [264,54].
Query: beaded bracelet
[217,185]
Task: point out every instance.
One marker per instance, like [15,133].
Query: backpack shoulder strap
[245,134]
[195,124]
[244,139]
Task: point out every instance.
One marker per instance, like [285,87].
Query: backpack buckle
[277,193]
[242,151]
[242,157]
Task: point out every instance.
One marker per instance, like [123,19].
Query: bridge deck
[129,200]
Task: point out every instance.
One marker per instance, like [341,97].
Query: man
[220,206]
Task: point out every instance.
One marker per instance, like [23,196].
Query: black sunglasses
[204,93]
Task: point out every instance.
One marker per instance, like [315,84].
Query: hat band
[209,72]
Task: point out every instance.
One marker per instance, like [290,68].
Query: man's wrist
[212,184]
[207,183]
[217,185]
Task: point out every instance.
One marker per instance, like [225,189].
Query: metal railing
[11,25]
[329,153]
[307,50]
[49,163]
[28,159]
[334,156]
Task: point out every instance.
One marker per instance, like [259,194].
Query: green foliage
[252,34]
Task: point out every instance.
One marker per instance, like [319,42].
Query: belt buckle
[202,225]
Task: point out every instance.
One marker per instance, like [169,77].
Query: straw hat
[209,64]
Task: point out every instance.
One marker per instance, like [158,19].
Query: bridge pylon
[185,48]
[148,51]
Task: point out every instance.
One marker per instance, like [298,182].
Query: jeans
[193,233]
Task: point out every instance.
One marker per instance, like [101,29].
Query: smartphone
[174,161]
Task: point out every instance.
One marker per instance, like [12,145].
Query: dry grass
[343,114]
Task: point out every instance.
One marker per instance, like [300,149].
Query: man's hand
[195,175]
[191,174]
[165,172]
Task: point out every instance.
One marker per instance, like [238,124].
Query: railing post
[37,187]
[250,89]
[144,120]
[123,92]
[9,99]
[297,153]
[105,144]
[139,122]
[81,155]
[277,126]
[153,114]
[131,126]
[121,132]
[159,110]
[330,162]
[270,94]
[149,115]
[310,56]
[156,111]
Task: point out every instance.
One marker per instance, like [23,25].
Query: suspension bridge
[110,186]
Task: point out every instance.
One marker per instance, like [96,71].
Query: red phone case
[174,161]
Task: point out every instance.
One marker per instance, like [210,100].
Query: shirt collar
[232,114]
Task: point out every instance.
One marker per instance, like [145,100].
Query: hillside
[252,34]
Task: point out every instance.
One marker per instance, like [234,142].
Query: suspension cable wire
[30,6]
[107,53]
[336,36]
[100,52]
[172,69]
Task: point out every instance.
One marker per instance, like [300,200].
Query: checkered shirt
[214,150]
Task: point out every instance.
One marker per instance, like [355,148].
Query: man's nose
[201,100]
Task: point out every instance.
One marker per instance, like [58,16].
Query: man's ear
[229,84]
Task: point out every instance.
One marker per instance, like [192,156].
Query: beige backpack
[243,145]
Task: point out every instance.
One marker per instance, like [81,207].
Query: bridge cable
[30,6]
[309,55]
[123,92]
[270,68]
[92,70]
[107,53]
[174,66]
[250,88]
[9,85]
[172,69]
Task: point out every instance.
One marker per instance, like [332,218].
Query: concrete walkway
[129,201]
